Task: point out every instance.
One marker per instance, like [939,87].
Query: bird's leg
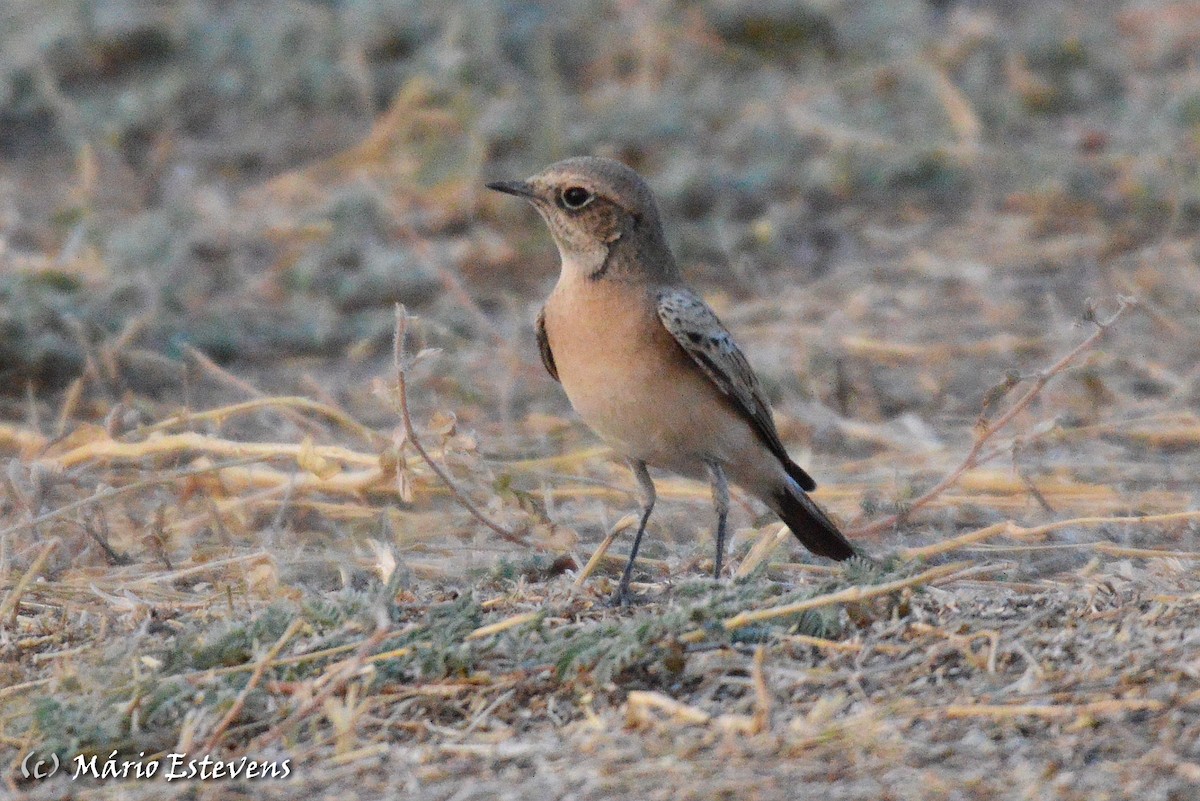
[720,494]
[646,484]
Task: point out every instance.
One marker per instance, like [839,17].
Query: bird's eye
[576,197]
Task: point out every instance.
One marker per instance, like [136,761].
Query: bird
[648,365]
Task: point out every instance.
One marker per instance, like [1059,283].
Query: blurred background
[893,206]
[905,211]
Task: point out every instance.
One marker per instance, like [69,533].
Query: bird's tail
[809,523]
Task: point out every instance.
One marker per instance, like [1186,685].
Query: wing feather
[544,347]
[700,333]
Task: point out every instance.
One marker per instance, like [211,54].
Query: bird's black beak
[518,188]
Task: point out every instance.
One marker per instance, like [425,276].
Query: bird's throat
[585,265]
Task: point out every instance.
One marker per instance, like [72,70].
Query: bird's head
[598,210]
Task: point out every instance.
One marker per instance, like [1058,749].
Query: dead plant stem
[991,429]
[410,433]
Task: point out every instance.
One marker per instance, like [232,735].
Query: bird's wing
[702,336]
[544,346]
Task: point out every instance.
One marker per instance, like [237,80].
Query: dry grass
[247,510]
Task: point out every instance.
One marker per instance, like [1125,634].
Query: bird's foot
[719,570]
[624,598]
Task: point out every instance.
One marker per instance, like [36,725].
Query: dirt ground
[958,241]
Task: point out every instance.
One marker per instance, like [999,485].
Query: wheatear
[645,361]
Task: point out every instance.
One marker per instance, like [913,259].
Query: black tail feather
[799,475]
[810,524]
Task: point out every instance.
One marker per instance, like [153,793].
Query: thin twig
[840,645]
[503,625]
[762,693]
[25,686]
[486,712]
[973,455]
[626,522]
[112,492]
[1011,529]
[639,704]
[260,402]
[223,375]
[342,674]
[398,363]
[848,595]
[174,444]
[14,597]
[103,538]
[259,669]
[311,656]
[1112,706]
[70,400]
[175,574]
[763,547]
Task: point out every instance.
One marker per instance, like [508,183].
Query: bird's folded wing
[702,336]
[544,346]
